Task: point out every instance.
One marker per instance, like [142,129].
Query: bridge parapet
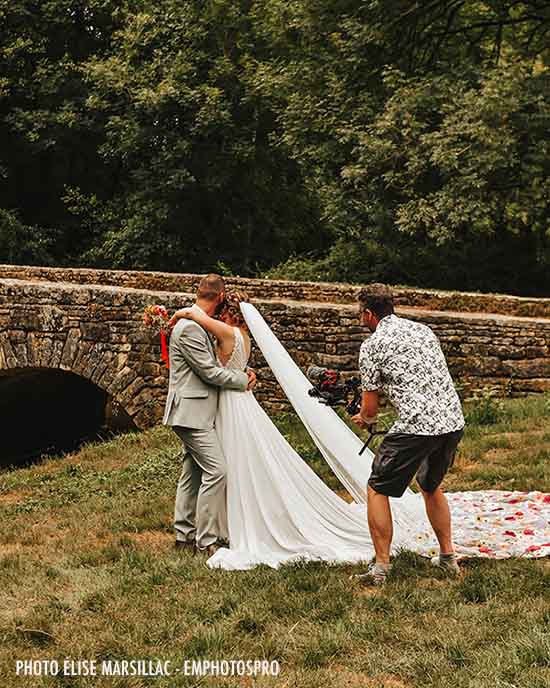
[96,332]
[287,290]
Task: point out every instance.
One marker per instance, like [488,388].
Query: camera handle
[372,433]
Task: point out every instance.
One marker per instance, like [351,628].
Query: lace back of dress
[239,357]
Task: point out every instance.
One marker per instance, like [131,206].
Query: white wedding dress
[280,511]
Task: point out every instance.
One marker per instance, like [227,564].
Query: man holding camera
[403,359]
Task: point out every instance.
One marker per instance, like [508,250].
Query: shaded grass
[87,570]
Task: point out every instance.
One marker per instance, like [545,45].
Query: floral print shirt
[404,359]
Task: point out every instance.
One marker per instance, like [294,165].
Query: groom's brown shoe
[209,550]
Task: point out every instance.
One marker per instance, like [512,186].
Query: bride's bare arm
[216,327]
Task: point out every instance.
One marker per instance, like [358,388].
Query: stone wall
[96,332]
[483,351]
[281,290]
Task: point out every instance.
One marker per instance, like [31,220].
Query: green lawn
[87,570]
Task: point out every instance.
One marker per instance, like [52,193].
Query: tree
[133,137]
[423,135]
[380,139]
[46,138]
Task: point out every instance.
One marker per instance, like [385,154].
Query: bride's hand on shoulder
[186,313]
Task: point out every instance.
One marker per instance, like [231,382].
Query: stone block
[151,369]
[160,381]
[53,319]
[349,348]
[148,414]
[82,297]
[57,352]
[140,400]
[126,395]
[33,353]
[538,385]
[107,376]
[121,361]
[508,352]
[104,363]
[483,365]
[9,357]
[70,349]
[25,318]
[535,368]
[121,380]
[95,331]
[94,357]
[349,362]
[540,351]
[45,351]
[311,347]
[81,358]
[17,336]
[39,318]
[21,355]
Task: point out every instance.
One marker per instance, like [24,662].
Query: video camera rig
[331,391]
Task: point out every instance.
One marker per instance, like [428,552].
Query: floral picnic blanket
[497,524]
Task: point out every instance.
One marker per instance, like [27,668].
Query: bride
[280,511]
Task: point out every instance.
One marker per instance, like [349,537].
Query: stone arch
[136,386]
[110,387]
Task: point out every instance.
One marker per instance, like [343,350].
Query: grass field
[88,570]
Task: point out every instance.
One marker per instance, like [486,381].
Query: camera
[332,391]
[329,390]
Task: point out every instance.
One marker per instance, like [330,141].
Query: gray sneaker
[448,564]
[375,574]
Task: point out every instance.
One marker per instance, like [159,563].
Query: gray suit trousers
[201,510]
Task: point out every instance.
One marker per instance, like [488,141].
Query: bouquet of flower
[156,318]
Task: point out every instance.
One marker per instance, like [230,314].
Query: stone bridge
[75,355]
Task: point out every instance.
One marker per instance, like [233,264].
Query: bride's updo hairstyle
[231,306]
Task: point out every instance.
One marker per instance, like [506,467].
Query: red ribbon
[164,348]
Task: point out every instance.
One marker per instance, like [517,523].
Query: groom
[195,378]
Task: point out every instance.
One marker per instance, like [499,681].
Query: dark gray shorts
[401,456]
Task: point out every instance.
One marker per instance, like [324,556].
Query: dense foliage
[388,140]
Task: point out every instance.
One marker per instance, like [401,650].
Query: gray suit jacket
[195,378]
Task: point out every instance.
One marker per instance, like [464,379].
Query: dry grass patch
[13,497]
[152,540]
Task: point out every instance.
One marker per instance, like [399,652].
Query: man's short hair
[210,287]
[377,298]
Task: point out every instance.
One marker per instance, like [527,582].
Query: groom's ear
[219,303]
